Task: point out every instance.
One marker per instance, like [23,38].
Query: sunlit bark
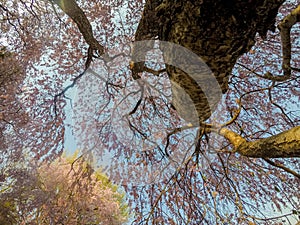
[285,28]
[282,145]
[286,144]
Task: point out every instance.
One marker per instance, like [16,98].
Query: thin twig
[288,170]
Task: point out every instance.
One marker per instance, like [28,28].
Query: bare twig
[278,106]
[288,170]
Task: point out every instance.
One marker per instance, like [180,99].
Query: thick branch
[282,145]
[285,27]
[71,8]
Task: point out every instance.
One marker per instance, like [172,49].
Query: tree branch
[282,145]
[285,27]
[71,8]
[283,167]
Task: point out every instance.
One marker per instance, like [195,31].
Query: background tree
[63,192]
[12,114]
[13,118]
[234,188]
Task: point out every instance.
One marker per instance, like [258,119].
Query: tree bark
[282,145]
[218,31]
[71,8]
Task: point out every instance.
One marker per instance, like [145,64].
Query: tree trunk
[219,32]
[216,30]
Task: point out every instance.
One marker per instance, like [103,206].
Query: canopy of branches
[191,106]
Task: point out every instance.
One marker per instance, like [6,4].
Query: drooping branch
[282,145]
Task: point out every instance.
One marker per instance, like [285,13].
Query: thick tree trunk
[218,31]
